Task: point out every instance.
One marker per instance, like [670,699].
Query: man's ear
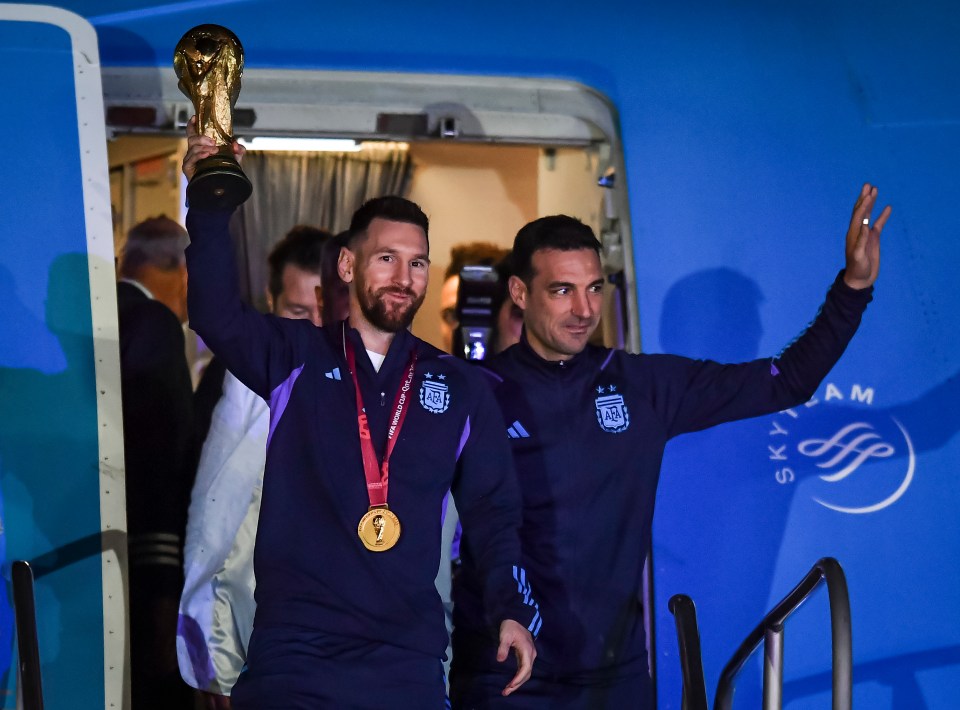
[518,291]
[266,292]
[346,263]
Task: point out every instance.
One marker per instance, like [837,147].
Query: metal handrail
[23,574]
[691,663]
[770,630]
[31,687]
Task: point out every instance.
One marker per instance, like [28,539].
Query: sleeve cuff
[858,295]
[524,608]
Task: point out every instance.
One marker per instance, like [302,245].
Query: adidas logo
[334,374]
[516,431]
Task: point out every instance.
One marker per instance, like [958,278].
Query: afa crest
[434,396]
[612,413]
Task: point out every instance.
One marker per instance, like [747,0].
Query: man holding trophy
[369,428]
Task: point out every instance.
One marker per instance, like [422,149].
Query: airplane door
[61,454]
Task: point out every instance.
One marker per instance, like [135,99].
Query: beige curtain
[320,189]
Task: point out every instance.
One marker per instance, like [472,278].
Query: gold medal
[379,529]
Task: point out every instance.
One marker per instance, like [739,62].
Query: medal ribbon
[378,474]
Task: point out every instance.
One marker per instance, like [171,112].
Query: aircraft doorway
[505,152]
[487,155]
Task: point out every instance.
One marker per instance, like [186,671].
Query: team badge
[612,413]
[434,394]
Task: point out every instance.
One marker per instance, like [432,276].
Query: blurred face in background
[297,299]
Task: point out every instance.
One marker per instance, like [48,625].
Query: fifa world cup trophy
[209,63]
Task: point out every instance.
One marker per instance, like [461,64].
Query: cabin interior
[470,191]
[505,153]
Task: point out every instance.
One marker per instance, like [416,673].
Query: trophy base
[218,183]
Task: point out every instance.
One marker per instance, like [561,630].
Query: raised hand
[863,240]
[200,147]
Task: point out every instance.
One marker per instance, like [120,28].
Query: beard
[393,317]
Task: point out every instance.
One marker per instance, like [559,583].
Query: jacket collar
[398,355]
[526,354]
[139,286]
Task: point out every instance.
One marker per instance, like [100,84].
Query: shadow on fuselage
[723,513]
[49,477]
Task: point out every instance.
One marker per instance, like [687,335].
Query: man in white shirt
[217,606]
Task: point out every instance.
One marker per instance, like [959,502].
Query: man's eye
[561,291]
[597,288]
[418,264]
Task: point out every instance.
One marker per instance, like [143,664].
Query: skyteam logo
[865,460]
[434,394]
[612,413]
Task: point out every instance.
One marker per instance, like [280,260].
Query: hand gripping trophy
[209,62]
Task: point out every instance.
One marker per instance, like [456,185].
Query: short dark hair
[303,247]
[158,242]
[389,207]
[556,232]
[473,254]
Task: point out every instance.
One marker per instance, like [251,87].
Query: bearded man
[368,425]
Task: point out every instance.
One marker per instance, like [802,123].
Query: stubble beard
[562,344]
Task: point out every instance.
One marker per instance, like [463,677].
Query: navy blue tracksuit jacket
[313,573]
[588,437]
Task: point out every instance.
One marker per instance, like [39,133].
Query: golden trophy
[209,63]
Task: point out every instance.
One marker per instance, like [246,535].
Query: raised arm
[694,395]
[261,350]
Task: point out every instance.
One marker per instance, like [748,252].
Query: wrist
[857,284]
[854,282]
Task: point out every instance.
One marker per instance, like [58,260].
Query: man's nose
[404,275]
[582,306]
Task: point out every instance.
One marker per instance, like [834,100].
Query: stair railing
[770,633]
[691,663]
[30,686]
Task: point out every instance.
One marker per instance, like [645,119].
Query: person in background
[159,449]
[217,605]
[468,254]
[507,326]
